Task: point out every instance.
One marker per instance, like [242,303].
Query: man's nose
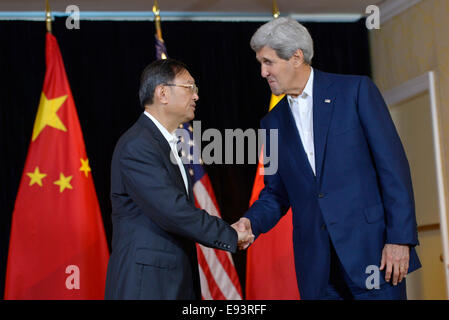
[264,72]
[195,97]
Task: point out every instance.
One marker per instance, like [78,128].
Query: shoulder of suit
[272,113]
[338,78]
[136,138]
[343,80]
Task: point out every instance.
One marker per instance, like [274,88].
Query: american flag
[161,51]
[218,277]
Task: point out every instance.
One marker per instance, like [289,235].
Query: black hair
[156,73]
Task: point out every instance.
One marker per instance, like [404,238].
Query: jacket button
[321,195]
[323,227]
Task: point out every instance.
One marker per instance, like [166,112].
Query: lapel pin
[327,101]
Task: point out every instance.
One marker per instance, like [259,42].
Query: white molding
[410,89]
[406,90]
[178,16]
[391,8]
[327,17]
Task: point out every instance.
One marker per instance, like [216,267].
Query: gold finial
[157,20]
[276,12]
[155,7]
[47,16]
[158,25]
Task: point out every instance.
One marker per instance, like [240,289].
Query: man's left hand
[396,258]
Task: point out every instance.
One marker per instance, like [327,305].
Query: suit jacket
[155,222]
[361,197]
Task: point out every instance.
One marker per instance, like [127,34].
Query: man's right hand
[245,233]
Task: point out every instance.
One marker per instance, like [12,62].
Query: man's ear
[161,93]
[298,58]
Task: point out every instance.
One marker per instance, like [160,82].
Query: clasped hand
[245,233]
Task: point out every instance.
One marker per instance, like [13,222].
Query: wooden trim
[429,227]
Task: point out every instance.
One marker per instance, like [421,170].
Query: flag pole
[275,99]
[276,12]
[157,21]
[47,16]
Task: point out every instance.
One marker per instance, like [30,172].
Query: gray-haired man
[342,169]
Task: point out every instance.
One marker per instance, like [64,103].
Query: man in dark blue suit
[343,171]
[155,221]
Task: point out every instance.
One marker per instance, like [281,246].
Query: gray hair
[285,36]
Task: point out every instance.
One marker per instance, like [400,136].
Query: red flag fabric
[57,247]
[270,265]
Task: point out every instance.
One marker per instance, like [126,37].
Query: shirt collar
[308,90]
[170,137]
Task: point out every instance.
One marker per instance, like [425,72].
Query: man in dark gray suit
[155,221]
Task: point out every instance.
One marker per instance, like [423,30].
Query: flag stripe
[213,287]
[220,274]
[205,293]
[208,192]
[224,257]
[230,282]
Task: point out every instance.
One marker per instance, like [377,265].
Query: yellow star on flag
[36,177]
[85,167]
[63,182]
[46,115]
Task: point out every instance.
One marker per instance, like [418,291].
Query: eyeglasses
[192,87]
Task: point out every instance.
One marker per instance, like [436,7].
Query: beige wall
[429,281]
[409,45]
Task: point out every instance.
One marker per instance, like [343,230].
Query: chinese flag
[270,266]
[57,247]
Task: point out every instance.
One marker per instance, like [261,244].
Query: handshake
[245,233]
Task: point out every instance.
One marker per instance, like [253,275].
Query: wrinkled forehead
[266,53]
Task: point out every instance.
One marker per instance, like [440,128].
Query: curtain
[104,59]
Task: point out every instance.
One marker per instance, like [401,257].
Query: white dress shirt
[172,140]
[302,110]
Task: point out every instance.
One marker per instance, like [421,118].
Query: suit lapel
[189,181]
[323,105]
[290,136]
[173,169]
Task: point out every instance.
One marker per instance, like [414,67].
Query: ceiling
[214,6]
